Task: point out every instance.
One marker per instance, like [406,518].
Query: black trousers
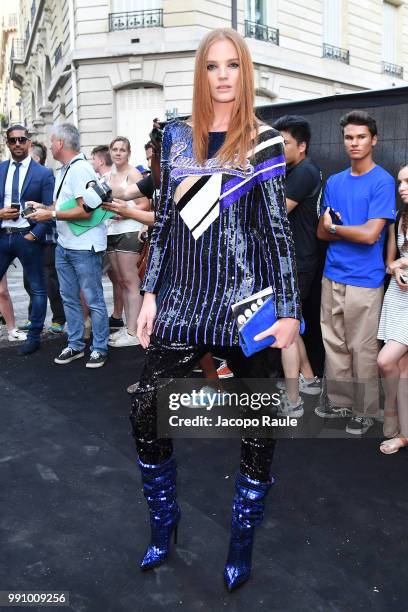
[165,360]
[53,290]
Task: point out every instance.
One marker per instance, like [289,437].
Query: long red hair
[240,134]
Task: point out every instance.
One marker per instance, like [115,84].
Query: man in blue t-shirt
[363,196]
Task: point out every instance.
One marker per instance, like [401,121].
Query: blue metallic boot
[247,512]
[159,486]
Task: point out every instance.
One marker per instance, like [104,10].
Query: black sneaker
[359,425]
[332,412]
[115,323]
[67,355]
[96,360]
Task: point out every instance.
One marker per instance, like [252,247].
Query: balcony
[136,19]
[10,22]
[58,54]
[17,55]
[259,31]
[393,70]
[17,50]
[335,53]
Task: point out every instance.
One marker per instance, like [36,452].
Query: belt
[13,230]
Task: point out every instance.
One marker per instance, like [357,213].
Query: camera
[156,135]
[97,193]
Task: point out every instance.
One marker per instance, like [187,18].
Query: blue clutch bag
[254,315]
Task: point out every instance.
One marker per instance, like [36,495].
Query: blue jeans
[30,254]
[82,270]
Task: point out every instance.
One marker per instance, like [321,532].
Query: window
[389,42]
[135,111]
[127,6]
[256,11]
[332,21]
[130,14]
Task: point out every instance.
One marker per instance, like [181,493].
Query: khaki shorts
[128,242]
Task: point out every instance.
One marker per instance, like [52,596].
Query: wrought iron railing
[10,21]
[58,54]
[393,70]
[336,53]
[136,19]
[261,32]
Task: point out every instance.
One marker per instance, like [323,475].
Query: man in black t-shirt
[303,193]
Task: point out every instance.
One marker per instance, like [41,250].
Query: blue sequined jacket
[221,234]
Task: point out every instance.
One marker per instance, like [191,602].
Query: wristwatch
[333,229]
[54,214]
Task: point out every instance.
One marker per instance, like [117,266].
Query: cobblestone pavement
[20,299]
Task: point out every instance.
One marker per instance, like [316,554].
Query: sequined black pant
[164,360]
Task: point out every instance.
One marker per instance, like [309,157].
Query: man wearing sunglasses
[22,179]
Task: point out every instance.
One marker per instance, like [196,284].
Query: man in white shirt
[78,258]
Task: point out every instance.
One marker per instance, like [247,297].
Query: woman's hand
[284,330]
[146,319]
[120,208]
[402,262]
[397,273]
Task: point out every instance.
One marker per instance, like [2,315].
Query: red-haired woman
[393,357]
[221,234]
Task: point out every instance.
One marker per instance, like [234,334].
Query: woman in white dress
[124,244]
[393,329]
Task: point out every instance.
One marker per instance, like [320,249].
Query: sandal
[391,424]
[389,447]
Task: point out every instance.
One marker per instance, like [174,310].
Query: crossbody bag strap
[65,174]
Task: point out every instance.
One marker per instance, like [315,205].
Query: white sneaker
[15,335]
[124,339]
[310,387]
[286,408]
[115,334]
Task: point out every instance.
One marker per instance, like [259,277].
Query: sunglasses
[15,139]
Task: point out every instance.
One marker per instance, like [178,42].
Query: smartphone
[16,206]
[27,211]
[335,217]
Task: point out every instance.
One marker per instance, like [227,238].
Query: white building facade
[10,111]
[111,66]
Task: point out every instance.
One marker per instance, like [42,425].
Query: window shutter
[135,111]
[332,21]
[389,47]
[127,6]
